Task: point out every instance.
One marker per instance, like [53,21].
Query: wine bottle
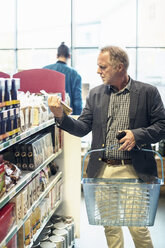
[13,93]
[7,95]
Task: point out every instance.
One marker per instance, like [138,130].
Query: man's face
[107,72]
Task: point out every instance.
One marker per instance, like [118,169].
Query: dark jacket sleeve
[82,126]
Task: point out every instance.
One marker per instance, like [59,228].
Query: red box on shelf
[7,219]
[13,242]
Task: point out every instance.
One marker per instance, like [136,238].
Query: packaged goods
[12,174]
[7,219]
[23,155]
[35,151]
[18,207]
[48,146]
[30,194]
[17,155]
[24,202]
[38,216]
[21,237]
[2,179]
[27,232]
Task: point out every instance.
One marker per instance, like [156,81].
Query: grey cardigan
[146,120]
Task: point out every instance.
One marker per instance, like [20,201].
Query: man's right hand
[54,103]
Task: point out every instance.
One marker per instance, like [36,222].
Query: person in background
[120,103]
[73,82]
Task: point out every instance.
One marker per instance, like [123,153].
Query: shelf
[25,134]
[43,224]
[26,178]
[14,230]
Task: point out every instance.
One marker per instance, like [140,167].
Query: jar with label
[70,224]
[64,233]
[48,244]
[58,240]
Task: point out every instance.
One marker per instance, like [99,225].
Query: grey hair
[117,55]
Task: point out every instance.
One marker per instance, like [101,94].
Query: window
[30,37]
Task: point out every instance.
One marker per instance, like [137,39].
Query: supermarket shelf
[14,230]
[25,179]
[44,223]
[26,134]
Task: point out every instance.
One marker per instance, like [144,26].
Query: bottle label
[8,103]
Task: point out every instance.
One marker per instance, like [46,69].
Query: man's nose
[98,70]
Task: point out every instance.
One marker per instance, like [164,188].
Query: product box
[23,154]
[7,219]
[17,155]
[48,145]
[59,189]
[36,116]
[24,118]
[38,217]
[29,194]
[2,180]
[33,222]
[24,202]
[34,190]
[53,196]
[37,185]
[21,237]
[48,199]
[27,232]
[20,155]
[35,149]
[42,207]
[17,200]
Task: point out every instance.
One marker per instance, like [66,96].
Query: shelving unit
[26,177]
[25,134]
[15,229]
[43,224]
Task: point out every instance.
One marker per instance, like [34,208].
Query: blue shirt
[73,84]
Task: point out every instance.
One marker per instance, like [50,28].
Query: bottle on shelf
[15,83]
[7,94]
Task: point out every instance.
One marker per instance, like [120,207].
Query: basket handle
[113,146]
[96,150]
[161,160]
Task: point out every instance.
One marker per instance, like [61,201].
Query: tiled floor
[93,236]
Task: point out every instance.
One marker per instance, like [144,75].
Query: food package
[7,219]
[2,179]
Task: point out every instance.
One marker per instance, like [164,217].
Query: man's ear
[120,66]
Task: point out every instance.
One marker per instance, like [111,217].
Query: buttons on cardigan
[100,159]
[103,145]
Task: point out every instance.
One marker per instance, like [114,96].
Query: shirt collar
[127,87]
[61,62]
